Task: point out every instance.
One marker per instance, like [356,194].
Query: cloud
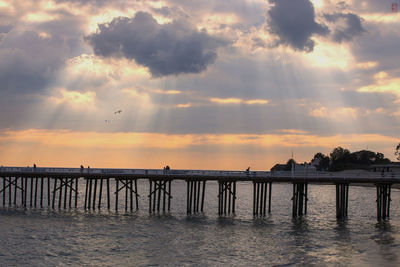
[5,28]
[258,42]
[293,21]
[166,49]
[380,44]
[77,99]
[28,61]
[249,13]
[348,26]
[85,2]
[32,52]
[372,5]
[239,101]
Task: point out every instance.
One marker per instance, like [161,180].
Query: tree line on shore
[341,159]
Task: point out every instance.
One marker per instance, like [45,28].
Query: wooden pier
[57,188]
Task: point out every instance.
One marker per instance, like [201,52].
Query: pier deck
[58,187]
[209,175]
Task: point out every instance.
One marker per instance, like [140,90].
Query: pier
[57,188]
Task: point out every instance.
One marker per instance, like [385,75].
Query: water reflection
[262,221]
[303,246]
[224,221]
[342,231]
[387,238]
[300,224]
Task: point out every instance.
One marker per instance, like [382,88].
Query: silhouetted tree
[363,157]
[342,159]
[323,161]
[397,153]
[340,154]
[380,159]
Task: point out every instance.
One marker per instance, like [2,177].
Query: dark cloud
[166,49]
[348,26]
[5,28]
[165,11]
[380,44]
[293,21]
[258,42]
[28,62]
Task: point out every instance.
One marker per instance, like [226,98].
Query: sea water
[45,237]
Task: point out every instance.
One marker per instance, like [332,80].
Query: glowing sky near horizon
[201,84]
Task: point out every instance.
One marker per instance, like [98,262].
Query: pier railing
[284,176]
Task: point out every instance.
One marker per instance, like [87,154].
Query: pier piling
[129,191]
[155,196]
[383,200]
[260,192]
[21,186]
[299,199]
[193,196]
[342,200]
[226,193]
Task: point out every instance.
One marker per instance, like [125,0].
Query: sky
[211,84]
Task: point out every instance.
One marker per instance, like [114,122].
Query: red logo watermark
[395,7]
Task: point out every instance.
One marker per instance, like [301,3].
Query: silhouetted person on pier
[82,168]
[34,167]
[88,169]
[248,170]
[167,168]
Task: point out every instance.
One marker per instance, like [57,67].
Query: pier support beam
[11,183]
[157,187]
[130,186]
[299,199]
[383,201]
[342,200]
[226,195]
[195,195]
[32,191]
[260,193]
[67,188]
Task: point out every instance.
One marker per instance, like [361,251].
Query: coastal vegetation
[341,159]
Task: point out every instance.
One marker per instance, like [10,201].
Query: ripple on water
[44,237]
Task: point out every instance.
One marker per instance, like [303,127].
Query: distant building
[304,168]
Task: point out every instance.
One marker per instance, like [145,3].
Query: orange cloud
[74,98]
[144,150]
[226,100]
[287,138]
[187,105]
[239,101]
[383,83]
